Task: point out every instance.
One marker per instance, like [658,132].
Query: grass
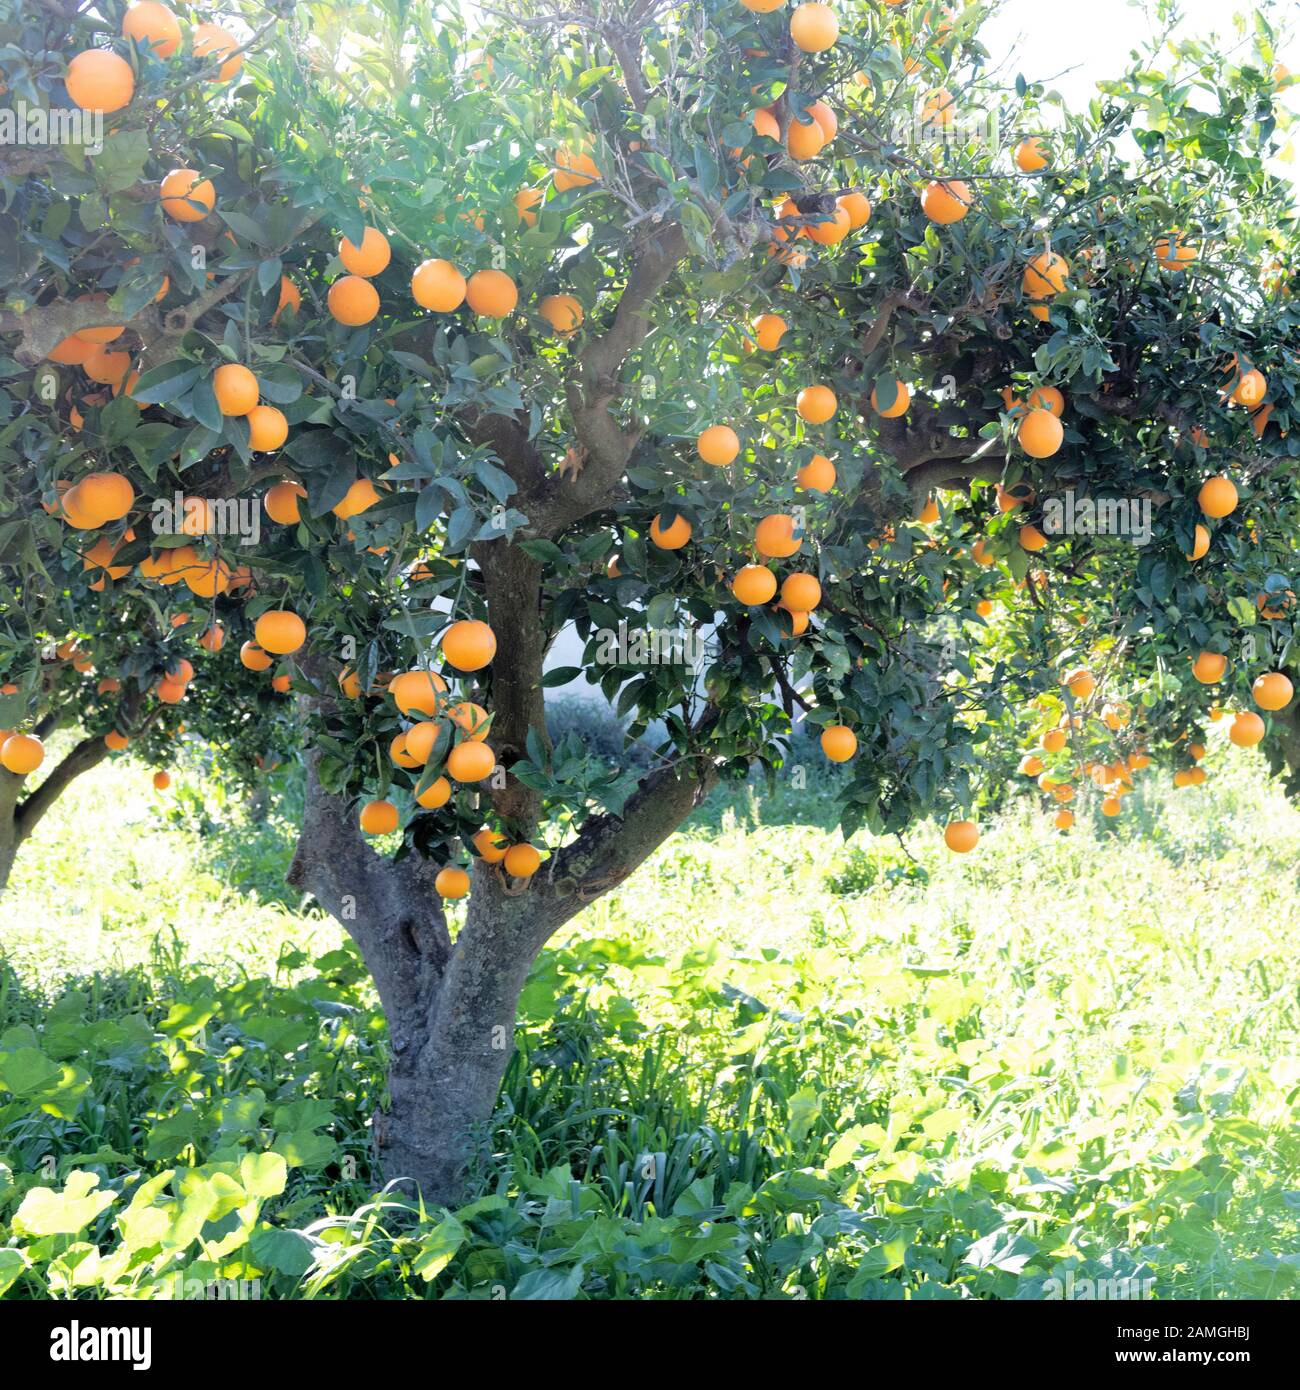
[771,1065]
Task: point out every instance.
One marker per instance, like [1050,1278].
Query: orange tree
[784,329]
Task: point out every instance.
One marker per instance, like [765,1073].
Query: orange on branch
[817,475]
[98,80]
[946,201]
[961,836]
[235,388]
[186,197]
[352,301]
[436,794]
[1218,496]
[801,593]
[267,428]
[492,294]
[469,644]
[753,585]
[470,761]
[838,742]
[1040,434]
[814,27]
[817,404]
[378,818]
[281,502]
[451,882]
[902,401]
[438,285]
[280,630]
[718,445]
[370,258]
[1272,691]
[673,536]
[774,537]
[420,692]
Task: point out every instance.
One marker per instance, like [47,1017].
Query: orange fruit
[281,502]
[451,882]
[573,169]
[1030,156]
[817,404]
[1063,819]
[349,683]
[762,6]
[469,644]
[161,781]
[946,201]
[1111,806]
[98,80]
[436,794]
[801,593]
[774,537]
[1031,765]
[900,406]
[817,475]
[491,849]
[961,836]
[115,740]
[153,25]
[280,630]
[72,351]
[1200,543]
[839,742]
[107,368]
[421,691]
[525,201]
[1251,388]
[352,301]
[267,427]
[1246,731]
[1047,274]
[1209,667]
[814,28]
[1081,682]
[754,584]
[1040,434]
[858,208]
[370,258]
[1047,398]
[929,513]
[768,331]
[470,761]
[280,684]
[290,298]
[472,720]
[400,754]
[208,579]
[1272,691]
[1218,496]
[718,445]
[360,497]
[793,624]
[1032,539]
[252,656]
[212,41]
[235,388]
[831,229]
[213,638]
[562,312]
[673,536]
[438,285]
[1172,254]
[105,496]
[22,753]
[186,197]
[491,294]
[522,861]
[378,818]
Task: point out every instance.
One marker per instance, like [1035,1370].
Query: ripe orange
[1053,740]
[22,753]
[280,684]
[961,836]
[1111,806]
[817,404]
[801,593]
[1200,543]
[1209,667]
[929,513]
[1250,390]
[804,139]
[472,720]
[107,368]
[349,683]
[900,406]
[186,197]
[106,496]
[1032,539]
[360,497]
[436,794]
[858,208]
[718,445]
[1247,729]
[290,298]
[792,624]
[522,861]
[452,882]
[212,41]
[1030,156]
[280,630]
[1031,765]
[491,848]
[1040,434]
[253,657]
[115,740]
[1272,691]
[832,229]
[673,536]
[562,312]
[946,201]
[469,644]
[1172,254]
[438,285]
[421,691]
[573,169]
[154,25]
[1063,819]
[171,692]
[817,475]
[235,388]
[1081,682]
[768,331]
[1218,496]
[525,201]
[71,351]
[1047,274]
[774,537]
[400,754]
[208,579]
[267,427]
[762,6]
[162,781]
[491,294]
[1047,398]
[471,761]
[98,80]
[281,502]
[839,742]
[370,258]
[352,301]
[378,818]
[814,28]
[754,584]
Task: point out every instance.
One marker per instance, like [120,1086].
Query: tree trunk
[451,1008]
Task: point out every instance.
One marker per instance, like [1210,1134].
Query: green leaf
[166,383]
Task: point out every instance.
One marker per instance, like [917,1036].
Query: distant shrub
[601,731]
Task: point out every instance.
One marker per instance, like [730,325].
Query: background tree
[781,326]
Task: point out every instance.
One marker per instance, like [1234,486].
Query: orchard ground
[772,1064]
